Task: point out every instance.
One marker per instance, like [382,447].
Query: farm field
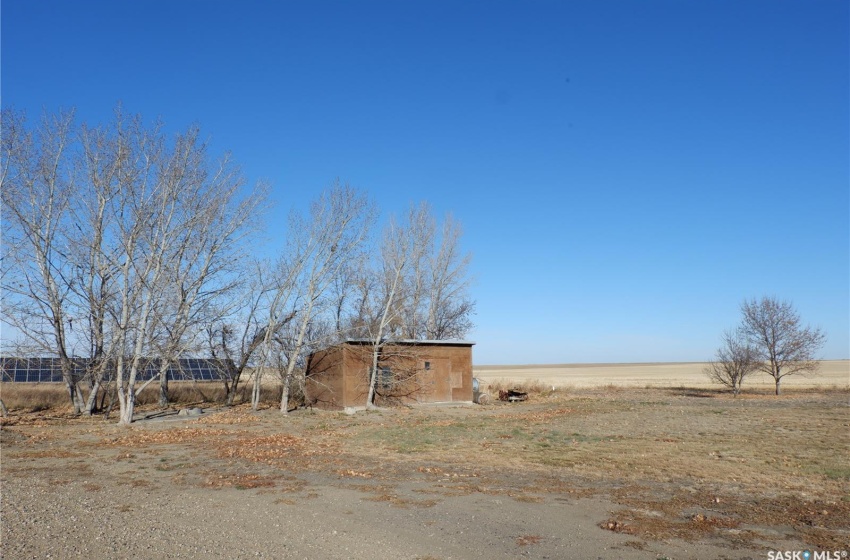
[589,472]
[688,374]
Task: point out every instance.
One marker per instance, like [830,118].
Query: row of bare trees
[122,245]
[771,339]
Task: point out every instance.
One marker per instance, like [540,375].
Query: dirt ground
[603,473]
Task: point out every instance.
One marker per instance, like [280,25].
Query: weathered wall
[343,379]
[324,387]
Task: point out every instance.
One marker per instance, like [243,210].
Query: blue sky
[626,172]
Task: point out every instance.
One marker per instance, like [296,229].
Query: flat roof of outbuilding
[412,342]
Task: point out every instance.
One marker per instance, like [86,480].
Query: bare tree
[37,189]
[417,290]
[277,297]
[401,245]
[342,296]
[320,247]
[449,305]
[734,360]
[205,260]
[180,221]
[413,301]
[236,333]
[784,346]
[91,246]
[434,302]
[116,242]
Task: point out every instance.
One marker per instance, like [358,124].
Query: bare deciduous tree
[204,259]
[122,248]
[784,346]
[734,360]
[416,291]
[320,247]
[237,332]
[401,245]
[449,305]
[36,186]
[116,241]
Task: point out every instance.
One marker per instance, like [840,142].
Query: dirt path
[42,519]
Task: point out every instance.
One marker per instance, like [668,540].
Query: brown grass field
[833,373]
[608,465]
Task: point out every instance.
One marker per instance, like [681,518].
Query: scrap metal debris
[512,396]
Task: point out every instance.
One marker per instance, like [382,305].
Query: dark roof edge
[413,342]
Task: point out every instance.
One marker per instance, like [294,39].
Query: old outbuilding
[409,371]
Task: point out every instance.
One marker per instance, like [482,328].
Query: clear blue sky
[626,172]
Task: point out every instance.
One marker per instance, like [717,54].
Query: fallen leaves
[271,448]
[232,416]
[525,540]
[542,416]
[175,435]
[617,526]
[353,473]
[238,481]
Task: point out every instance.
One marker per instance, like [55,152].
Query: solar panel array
[33,370]
[49,370]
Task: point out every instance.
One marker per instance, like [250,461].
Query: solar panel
[38,370]
[49,370]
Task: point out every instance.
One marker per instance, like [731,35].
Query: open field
[833,373]
[608,472]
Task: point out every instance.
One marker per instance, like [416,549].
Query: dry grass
[532,387]
[798,443]
[691,374]
[701,462]
[36,397]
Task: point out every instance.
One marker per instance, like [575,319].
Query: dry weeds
[38,397]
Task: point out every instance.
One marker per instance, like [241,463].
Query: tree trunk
[79,405]
[72,394]
[112,395]
[778,380]
[284,397]
[91,402]
[255,392]
[373,379]
[231,384]
[126,414]
[107,393]
[163,389]
[4,412]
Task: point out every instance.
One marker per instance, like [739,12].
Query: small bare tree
[237,331]
[734,360]
[783,345]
